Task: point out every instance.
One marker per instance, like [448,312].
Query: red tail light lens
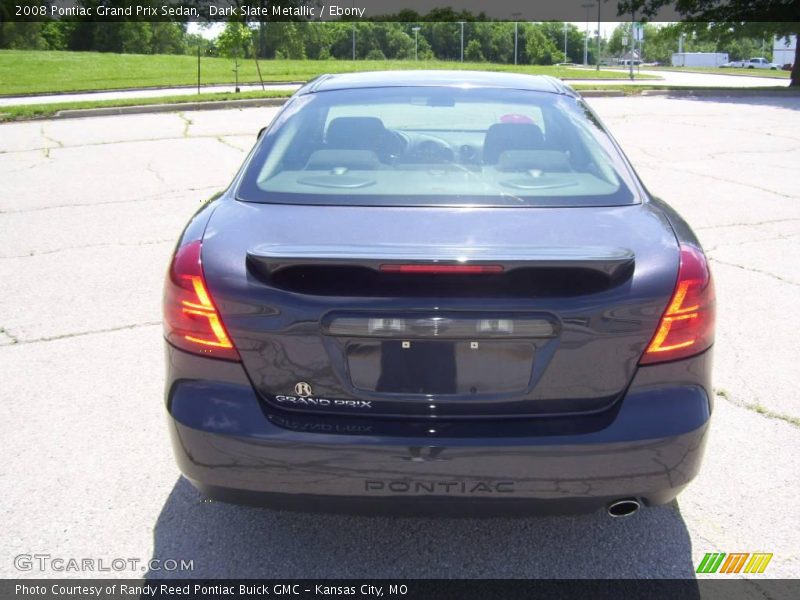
[426,269]
[687,326]
[191,321]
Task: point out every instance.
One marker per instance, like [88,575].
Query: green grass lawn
[30,72]
[727,71]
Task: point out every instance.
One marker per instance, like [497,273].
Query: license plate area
[440,367]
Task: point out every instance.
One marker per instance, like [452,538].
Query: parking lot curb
[601,93]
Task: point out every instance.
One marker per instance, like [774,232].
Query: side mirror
[260,133]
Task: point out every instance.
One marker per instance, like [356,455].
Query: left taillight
[191,320]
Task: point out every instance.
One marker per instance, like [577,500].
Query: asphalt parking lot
[89,213]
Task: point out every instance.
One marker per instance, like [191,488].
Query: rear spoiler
[610,262]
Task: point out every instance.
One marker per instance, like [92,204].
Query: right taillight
[191,320]
[687,326]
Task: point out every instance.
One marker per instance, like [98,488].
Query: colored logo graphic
[736,562]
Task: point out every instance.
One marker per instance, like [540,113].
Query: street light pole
[599,4]
[354,40]
[566,58]
[462,40]
[516,15]
[586,34]
[416,42]
[633,44]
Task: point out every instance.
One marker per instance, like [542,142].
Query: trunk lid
[368,311]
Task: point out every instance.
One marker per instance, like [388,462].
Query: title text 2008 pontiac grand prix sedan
[438,290]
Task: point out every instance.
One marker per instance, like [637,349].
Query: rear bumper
[233,448]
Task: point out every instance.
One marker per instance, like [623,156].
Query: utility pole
[199,43]
[633,44]
[566,58]
[599,4]
[462,40]
[354,40]
[516,15]
[416,42]
[586,34]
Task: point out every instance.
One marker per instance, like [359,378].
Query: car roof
[484,79]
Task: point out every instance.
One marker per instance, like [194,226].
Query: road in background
[90,212]
[692,80]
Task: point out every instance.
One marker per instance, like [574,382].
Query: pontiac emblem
[303,389]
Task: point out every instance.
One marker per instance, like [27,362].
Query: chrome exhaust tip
[623,508]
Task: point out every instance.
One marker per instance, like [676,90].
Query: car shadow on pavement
[228,541]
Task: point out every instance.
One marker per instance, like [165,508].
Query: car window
[472,115]
[418,146]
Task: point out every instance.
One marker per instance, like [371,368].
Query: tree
[473,52]
[537,47]
[317,38]
[730,19]
[235,40]
[167,38]
[555,32]
[398,44]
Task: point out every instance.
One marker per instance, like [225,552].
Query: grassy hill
[30,72]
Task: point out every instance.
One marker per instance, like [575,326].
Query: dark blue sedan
[438,291]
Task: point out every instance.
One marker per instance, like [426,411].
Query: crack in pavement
[723,179]
[224,142]
[150,168]
[160,195]
[753,132]
[709,155]
[49,139]
[753,224]
[65,336]
[187,123]
[100,245]
[759,409]
[779,151]
[4,332]
[758,241]
[754,270]
[113,142]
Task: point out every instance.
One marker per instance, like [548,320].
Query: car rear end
[334,345]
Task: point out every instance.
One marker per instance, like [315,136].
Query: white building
[783,50]
[699,59]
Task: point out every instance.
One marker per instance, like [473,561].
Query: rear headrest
[354,160]
[356,133]
[553,161]
[501,137]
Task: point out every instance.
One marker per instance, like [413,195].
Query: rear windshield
[434,146]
